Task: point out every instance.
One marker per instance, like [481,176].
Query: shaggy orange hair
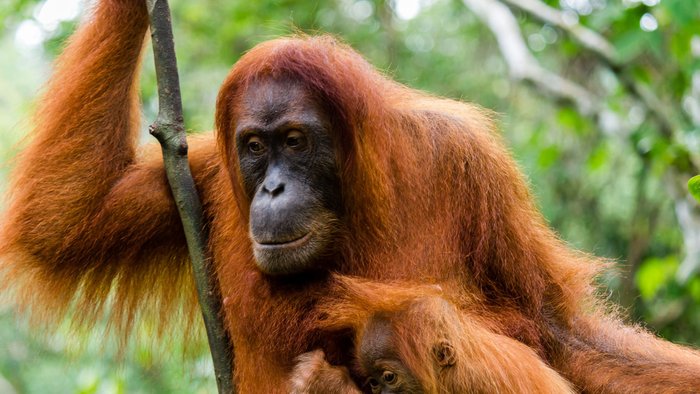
[430,194]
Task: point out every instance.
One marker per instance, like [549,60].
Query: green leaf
[694,288]
[683,11]
[631,43]
[655,274]
[694,187]
[567,117]
[598,158]
[548,156]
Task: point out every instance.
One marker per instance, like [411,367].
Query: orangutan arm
[602,355]
[88,216]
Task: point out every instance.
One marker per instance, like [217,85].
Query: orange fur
[312,374]
[420,318]
[429,193]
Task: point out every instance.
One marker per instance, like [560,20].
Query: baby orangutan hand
[312,374]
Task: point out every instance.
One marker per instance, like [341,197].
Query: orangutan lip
[286,244]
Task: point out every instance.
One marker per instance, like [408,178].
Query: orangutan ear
[444,354]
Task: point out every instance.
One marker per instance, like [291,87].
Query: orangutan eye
[389,377]
[255,145]
[295,140]
[374,385]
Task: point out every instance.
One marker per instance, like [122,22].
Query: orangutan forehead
[377,340]
[268,101]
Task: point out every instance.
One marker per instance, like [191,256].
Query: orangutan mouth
[294,243]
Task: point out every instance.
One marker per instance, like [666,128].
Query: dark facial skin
[378,357]
[289,171]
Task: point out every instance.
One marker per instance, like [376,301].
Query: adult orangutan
[321,164]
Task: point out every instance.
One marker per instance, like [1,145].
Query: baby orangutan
[383,353]
[410,340]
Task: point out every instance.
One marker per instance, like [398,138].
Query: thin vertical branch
[169,129]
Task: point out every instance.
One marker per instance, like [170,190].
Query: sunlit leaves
[694,187]
[654,274]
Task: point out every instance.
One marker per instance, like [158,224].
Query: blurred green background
[599,101]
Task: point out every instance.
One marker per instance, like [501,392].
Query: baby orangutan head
[406,351]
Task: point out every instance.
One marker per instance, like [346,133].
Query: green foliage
[694,187]
[57,364]
[654,275]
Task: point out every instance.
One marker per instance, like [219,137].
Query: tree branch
[169,129]
[606,52]
[588,38]
[523,66]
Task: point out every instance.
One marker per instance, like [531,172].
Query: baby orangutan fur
[411,340]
